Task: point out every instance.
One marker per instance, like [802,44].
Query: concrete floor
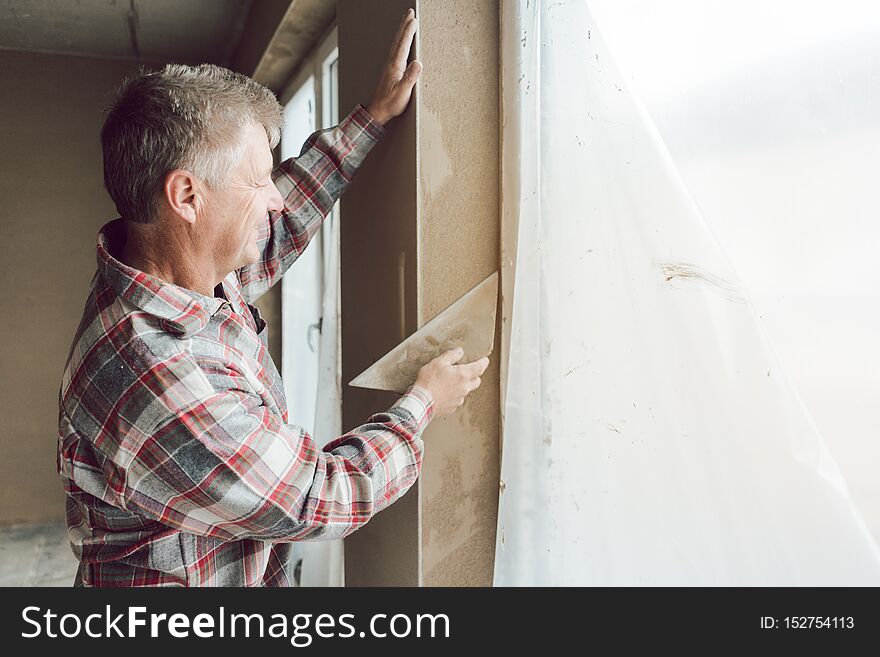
[36,555]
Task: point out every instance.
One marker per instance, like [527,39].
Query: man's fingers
[475,368]
[403,42]
[396,40]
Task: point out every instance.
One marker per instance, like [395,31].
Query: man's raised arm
[312,182]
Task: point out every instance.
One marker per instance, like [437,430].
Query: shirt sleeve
[226,467]
[310,184]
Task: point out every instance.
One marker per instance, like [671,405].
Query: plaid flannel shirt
[177,460]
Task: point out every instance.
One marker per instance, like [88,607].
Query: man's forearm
[310,183]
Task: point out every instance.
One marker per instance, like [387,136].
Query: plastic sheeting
[650,437]
[769,111]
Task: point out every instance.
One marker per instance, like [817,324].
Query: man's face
[237,212]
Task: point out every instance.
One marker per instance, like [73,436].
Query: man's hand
[449,383]
[396,84]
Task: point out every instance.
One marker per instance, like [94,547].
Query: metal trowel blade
[468,323]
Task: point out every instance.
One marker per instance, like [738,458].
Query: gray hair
[182,117]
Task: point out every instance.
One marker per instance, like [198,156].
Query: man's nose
[276,201]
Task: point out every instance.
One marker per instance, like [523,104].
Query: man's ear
[180,191]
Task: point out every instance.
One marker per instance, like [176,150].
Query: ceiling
[150,31]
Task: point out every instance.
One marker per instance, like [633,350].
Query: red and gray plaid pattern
[174,449]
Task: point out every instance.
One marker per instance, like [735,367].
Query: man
[178,462]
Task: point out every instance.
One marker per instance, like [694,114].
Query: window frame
[317,64]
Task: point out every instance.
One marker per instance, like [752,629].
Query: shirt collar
[181,312]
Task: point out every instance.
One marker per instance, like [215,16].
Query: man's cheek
[253,243]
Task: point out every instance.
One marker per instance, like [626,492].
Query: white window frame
[318,65]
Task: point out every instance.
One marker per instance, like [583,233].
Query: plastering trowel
[468,323]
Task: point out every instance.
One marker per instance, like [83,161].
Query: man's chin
[247,257]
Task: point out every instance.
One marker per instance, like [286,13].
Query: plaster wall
[459,247]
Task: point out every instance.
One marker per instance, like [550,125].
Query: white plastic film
[650,437]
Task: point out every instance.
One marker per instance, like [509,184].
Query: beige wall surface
[53,204]
[459,247]
[420,227]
